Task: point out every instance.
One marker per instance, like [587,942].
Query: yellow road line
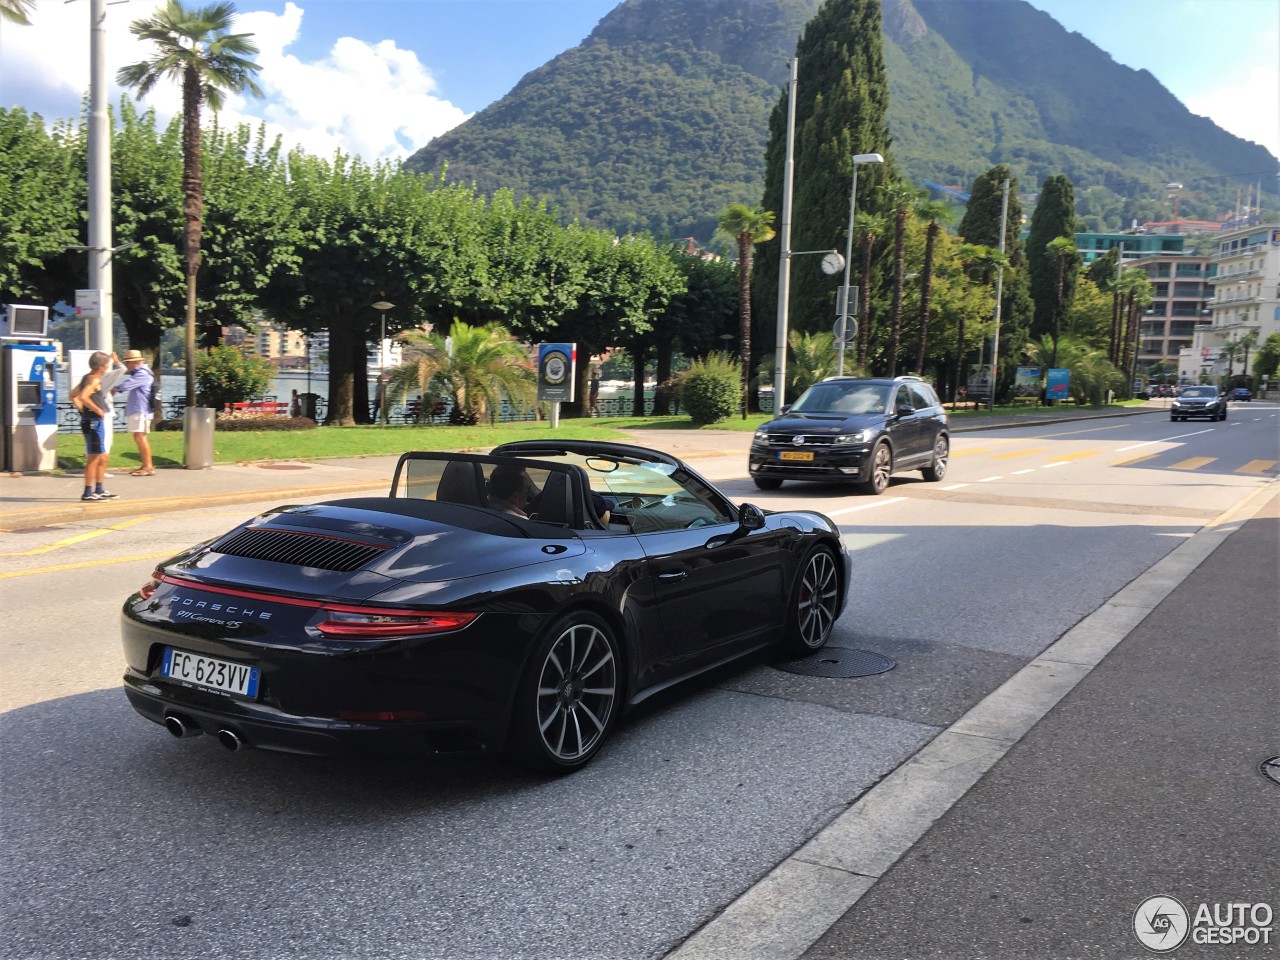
[78,538]
[1078,455]
[1016,453]
[1195,463]
[1132,460]
[84,564]
[1257,466]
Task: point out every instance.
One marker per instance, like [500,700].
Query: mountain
[659,118]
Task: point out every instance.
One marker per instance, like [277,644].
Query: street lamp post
[851,309]
[382,306]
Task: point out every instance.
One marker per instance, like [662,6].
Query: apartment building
[1244,309]
[1181,288]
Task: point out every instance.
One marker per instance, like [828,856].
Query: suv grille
[299,549]
[810,440]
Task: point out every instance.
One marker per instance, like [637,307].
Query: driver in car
[509,490]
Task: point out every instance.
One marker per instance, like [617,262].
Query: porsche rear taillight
[367,623]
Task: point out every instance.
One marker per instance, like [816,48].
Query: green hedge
[711,389]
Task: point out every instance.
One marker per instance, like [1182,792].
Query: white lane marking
[1148,443]
[1056,463]
[865,506]
[990,479]
[1018,473]
[954,486]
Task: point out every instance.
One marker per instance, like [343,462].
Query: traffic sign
[88,303]
[846,329]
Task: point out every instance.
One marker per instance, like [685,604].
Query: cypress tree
[1055,216]
[842,99]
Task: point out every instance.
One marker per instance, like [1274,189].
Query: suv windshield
[1200,392]
[846,399]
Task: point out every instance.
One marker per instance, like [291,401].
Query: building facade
[1244,309]
[1181,288]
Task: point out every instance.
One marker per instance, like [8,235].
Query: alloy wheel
[817,600]
[577,692]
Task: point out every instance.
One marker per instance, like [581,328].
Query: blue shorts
[95,435]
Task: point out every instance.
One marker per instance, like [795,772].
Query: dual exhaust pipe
[181,726]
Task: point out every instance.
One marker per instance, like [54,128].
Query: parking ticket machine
[28,407]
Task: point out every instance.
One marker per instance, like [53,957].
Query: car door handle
[670,576]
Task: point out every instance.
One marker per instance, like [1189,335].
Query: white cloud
[376,101]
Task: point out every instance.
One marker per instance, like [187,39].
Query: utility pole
[995,346]
[784,254]
[100,249]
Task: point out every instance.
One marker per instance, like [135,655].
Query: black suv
[846,428]
[1203,400]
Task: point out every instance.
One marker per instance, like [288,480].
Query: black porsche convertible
[523,598]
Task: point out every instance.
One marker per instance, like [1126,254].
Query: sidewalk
[36,500]
[1144,781]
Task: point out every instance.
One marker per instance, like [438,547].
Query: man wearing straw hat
[137,408]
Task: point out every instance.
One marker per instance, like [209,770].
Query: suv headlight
[858,436]
[761,436]
[1177,403]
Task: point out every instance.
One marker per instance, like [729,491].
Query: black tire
[815,599]
[881,468]
[938,469]
[766,483]
[569,696]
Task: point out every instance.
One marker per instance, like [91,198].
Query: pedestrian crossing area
[1171,459]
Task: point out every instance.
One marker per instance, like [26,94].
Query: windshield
[845,399]
[1200,391]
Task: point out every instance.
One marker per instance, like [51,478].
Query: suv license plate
[221,675]
[795,455]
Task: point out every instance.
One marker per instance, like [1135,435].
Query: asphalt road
[121,841]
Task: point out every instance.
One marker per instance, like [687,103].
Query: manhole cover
[284,466]
[838,663]
[1271,768]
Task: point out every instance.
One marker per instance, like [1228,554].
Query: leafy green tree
[42,191]
[842,100]
[478,366]
[1266,362]
[193,46]
[934,213]
[1248,339]
[227,375]
[745,226]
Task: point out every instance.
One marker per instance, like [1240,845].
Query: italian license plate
[795,455]
[237,679]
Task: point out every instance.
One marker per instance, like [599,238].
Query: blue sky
[381,77]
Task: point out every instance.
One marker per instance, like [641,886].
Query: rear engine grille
[300,549]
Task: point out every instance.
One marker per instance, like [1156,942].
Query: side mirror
[750,517]
[905,410]
[786,408]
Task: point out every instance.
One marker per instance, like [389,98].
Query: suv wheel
[766,483]
[938,469]
[881,470]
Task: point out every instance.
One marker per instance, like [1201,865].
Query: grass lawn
[371,441]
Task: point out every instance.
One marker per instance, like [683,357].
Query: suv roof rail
[909,376]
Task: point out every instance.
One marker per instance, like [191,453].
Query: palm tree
[933,212]
[1247,340]
[746,226]
[194,47]
[17,11]
[476,366]
[1062,249]
[868,226]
